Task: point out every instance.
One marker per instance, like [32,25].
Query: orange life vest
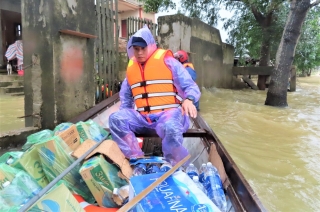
[188,64]
[152,86]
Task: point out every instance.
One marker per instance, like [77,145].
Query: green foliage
[247,28]
[157,5]
[247,31]
[308,49]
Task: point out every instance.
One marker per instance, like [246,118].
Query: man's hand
[188,108]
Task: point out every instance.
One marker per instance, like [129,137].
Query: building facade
[131,8]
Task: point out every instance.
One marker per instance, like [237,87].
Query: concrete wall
[60,83]
[211,57]
[11,5]
[2,49]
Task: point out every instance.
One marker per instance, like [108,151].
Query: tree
[264,13]
[277,92]
[308,50]
[246,34]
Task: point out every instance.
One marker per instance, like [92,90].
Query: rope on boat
[196,158]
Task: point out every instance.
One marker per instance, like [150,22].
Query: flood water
[11,107]
[277,150]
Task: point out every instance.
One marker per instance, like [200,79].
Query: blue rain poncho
[169,124]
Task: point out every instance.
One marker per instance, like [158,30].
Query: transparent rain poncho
[169,124]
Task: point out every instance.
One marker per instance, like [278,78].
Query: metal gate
[106,49]
[134,24]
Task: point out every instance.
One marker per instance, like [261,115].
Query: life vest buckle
[143,83]
[144,95]
[147,109]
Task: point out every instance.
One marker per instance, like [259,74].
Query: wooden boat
[198,140]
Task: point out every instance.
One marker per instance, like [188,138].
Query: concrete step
[7,90]
[17,94]
[16,83]
[8,78]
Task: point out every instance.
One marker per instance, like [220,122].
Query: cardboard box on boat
[111,150]
[90,130]
[177,193]
[71,137]
[30,163]
[54,156]
[58,199]
[101,177]
[56,151]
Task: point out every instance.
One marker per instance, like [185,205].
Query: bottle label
[201,178]
[192,174]
[215,191]
[165,168]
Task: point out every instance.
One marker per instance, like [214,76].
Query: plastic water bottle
[214,187]
[13,195]
[165,167]
[201,173]
[192,171]
[122,194]
[26,182]
[199,185]
[139,169]
[152,168]
[9,161]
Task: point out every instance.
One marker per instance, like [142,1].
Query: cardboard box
[101,177]
[176,193]
[30,163]
[57,199]
[111,150]
[55,158]
[55,153]
[71,137]
[90,130]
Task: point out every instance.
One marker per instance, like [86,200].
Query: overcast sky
[223,14]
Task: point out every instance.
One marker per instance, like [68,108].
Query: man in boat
[157,84]
[183,58]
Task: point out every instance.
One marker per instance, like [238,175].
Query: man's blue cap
[138,41]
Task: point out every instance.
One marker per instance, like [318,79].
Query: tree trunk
[277,92]
[264,56]
[265,22]
[309,72]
